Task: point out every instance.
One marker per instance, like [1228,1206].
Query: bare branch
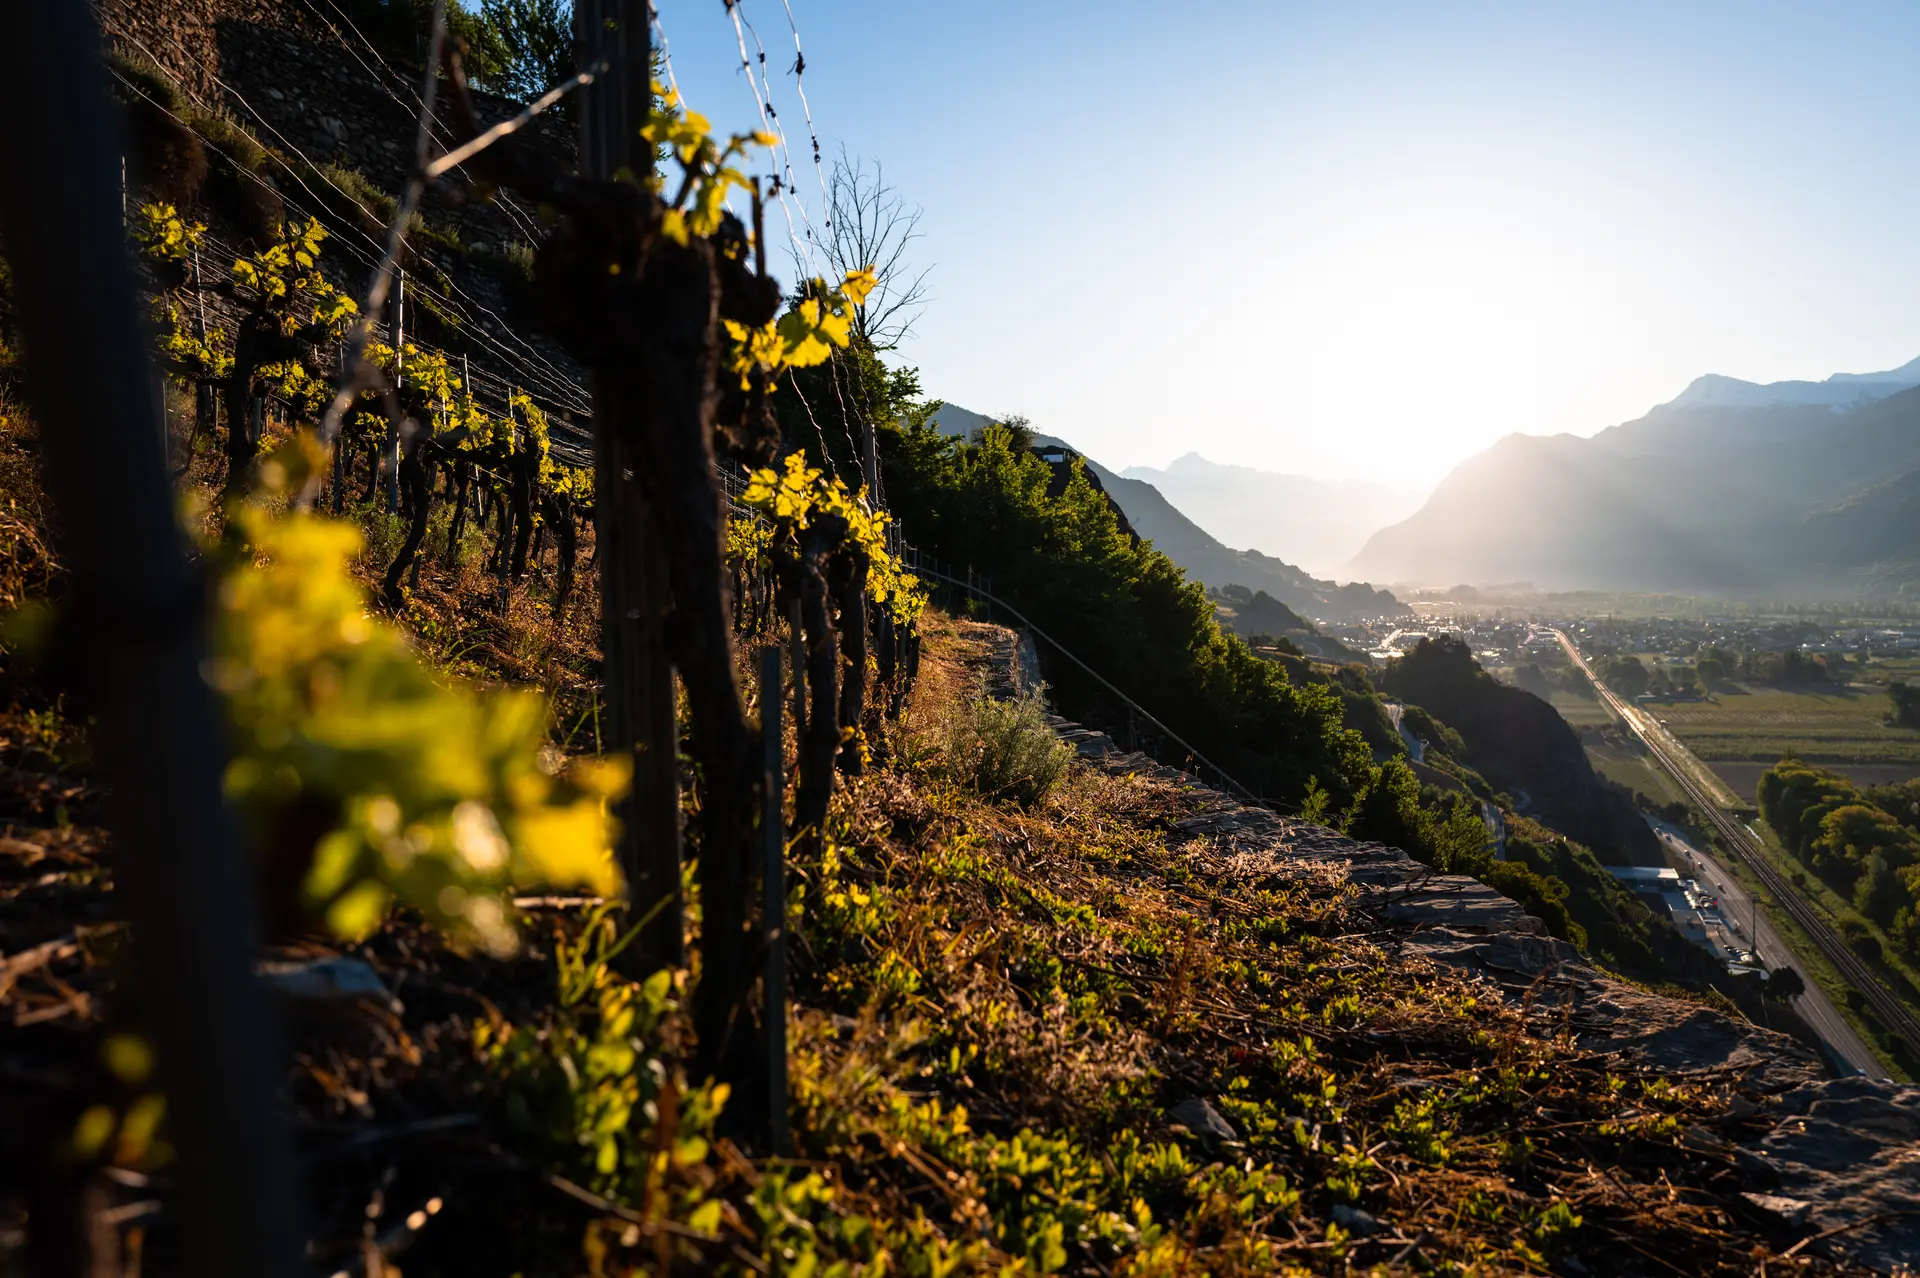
[473,146]
[871,225]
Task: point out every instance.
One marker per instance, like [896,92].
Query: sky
[1362,239]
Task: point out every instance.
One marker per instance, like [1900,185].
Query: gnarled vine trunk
[848,581]
[806,580]
[459,479]
[566,549]
[524,466]
[416,494]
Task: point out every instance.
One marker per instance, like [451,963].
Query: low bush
[1542,896]
[1005,748]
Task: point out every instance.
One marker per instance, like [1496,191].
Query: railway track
[1742,843]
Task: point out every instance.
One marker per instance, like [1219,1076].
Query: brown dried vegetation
[1006,1020]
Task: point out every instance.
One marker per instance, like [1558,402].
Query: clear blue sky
[1346,238]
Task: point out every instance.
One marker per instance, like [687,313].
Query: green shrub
[372,207]
[1005,748]
[383,532]
[1860,937]
[1543,896]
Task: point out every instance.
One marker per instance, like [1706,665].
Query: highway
[1814,1006]
[1756,932]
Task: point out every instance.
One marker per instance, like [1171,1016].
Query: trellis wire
[540,369]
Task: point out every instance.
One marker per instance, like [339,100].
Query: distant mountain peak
[1203,556]
[1716,390]
[1710,493]
[1193,462]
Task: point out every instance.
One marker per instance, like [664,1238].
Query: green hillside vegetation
[1522,746]
[1860,848]
[1121,606]
[1307,741]
[1265,622]
[1203,556]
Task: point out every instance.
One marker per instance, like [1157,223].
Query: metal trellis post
[392,449]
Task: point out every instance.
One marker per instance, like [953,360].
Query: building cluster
[1695,910]
[1502,642]
[1684,638]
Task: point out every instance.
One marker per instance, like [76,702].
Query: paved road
[1397,712]
[1736,908]
[1814,1006]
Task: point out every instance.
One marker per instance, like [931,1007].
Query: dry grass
[1070,974]
[997,1011]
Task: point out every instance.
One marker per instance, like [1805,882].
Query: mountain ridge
[1836,388]
[1204,557]
[1315,522]
[1694,496]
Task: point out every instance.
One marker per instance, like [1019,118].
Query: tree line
[1847,837]
[1059,553]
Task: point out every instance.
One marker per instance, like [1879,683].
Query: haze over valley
[1792,489]
[1318,523]
[1788,489]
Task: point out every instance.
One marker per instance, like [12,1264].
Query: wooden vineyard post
[773,902]
[180,872]
[640,719]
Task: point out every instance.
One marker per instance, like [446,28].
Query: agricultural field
[1581,712]
[1744,729]
[1623,760]
[1884,670]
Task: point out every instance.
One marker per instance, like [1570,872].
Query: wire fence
[519,363]
[504,362]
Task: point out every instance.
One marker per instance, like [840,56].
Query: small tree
[1628,676]
[1906,704]
[1784,984]
[872,227]
[533,44]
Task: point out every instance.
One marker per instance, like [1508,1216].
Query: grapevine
[367,779]
[792,496]
[295,311]
[370,835]
[168,243]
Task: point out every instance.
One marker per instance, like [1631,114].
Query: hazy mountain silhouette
[1731,487]
[1206,558]
[1318,523]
